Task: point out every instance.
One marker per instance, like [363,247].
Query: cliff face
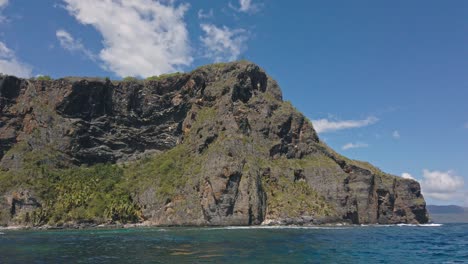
[216,146]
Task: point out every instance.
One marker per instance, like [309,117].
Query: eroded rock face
[19,207]
[256,159]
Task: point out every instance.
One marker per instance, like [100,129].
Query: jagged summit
[216,146]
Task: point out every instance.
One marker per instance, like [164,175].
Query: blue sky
[383,81]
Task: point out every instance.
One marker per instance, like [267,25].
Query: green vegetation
[91,193]
[318,161]
[287,198]
[83,194]
[152,78]
[130,79]
[219,65]
[44,78]
[163,76]
[222,65]
[167,173]
[102,193]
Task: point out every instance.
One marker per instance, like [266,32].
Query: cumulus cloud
[396,134]
[326,125]
[406,175]
[354,145]
[140,37]
[442,185]
[203,15]
[223,43]
[9,64]
[71,44]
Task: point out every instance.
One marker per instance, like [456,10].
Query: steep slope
[217,146]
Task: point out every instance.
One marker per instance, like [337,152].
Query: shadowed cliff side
[217,146]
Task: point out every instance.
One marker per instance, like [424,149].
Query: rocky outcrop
[217,146]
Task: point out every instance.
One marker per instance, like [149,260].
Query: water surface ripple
[358,244]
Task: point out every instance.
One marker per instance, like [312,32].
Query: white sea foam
[12,227]
[423,225]
[271,227]
[402,225]
[432,225]
[333,227]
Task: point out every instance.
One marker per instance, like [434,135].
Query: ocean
[447,243]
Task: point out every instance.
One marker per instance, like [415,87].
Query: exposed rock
[19,207]
[216,146]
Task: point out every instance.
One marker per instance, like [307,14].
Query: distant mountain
[446,209]
[448,213]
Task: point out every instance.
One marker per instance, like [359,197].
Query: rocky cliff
[217,146]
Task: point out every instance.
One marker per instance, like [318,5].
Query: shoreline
[147,225]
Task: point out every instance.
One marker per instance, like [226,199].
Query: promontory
[216,146]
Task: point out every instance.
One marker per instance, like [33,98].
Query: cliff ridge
[216,146]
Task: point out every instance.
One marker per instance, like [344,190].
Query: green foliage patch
[163,76]
[130,79]
[287,198]
[83,194]
[167,173]
[44,78]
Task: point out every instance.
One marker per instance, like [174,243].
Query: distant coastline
[448,214]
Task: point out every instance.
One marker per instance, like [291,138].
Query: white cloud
[223,43]
[396,134]
[325,125]
[406,175]
[246,6]
[69,43]
[354,145]
[9,64]
[203,15]
[140,37]
[441,185]
[3,3]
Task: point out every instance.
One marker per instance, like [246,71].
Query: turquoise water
[359,244]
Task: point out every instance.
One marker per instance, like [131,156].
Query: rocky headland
[216,146]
